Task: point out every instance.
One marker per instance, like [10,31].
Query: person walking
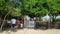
[19,23]
[13,22]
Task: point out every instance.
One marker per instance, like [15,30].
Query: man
[20,23]
[13,22]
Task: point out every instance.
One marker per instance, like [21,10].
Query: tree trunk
[4,19]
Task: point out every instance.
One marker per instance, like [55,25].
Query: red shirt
[19,21]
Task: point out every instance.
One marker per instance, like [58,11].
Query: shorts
[13,25]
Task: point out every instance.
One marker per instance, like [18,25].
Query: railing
[38,24]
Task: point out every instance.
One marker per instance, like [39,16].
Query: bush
[58,19]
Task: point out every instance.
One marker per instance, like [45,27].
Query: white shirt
[13,21]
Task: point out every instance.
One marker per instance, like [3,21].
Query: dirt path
[32,31]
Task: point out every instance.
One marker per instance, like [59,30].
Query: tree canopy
[37,7]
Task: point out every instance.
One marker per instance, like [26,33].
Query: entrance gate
[29,24]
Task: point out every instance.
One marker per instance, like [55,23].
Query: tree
[33,6]
[7,8]
[54,8]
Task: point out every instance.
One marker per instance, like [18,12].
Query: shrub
[58,19]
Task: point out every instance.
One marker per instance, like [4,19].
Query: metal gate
[29,24]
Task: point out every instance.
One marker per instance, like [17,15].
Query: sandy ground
[32,31]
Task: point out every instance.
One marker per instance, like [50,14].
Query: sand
[32,31]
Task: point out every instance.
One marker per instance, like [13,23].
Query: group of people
[18,22]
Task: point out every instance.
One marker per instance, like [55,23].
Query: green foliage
[54,6]
[38,7]
[34,6]
[16,12]
[58,19]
